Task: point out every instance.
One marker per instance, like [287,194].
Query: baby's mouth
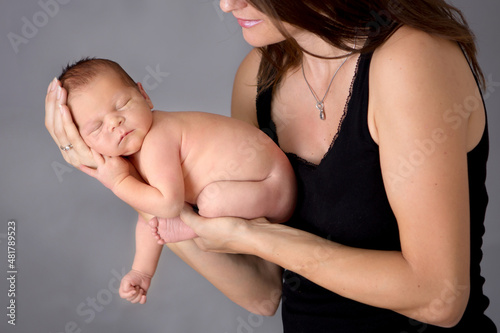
[124,135]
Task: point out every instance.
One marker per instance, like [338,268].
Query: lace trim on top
[344,114]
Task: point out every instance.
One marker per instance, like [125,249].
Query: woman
[378,109]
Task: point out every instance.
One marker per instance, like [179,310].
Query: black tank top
[343,199]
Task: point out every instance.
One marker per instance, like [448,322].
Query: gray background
[74,238]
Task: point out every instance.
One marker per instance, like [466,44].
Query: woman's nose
[230,5]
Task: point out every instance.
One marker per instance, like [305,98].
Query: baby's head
[82,72]
[111,111]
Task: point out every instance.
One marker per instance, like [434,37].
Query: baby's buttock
[250,158]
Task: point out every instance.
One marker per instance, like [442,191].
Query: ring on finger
[67,147]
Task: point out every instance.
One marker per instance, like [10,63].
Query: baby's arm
[147,251]
[165,199]
[135,284]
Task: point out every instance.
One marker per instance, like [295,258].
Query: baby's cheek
[87,141]
[93,144]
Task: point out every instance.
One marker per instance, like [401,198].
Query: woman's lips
[248,23]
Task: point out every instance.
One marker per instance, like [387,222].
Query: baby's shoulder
[165,130]
[164,121]
[193,127]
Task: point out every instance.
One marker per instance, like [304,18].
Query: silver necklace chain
[320,104]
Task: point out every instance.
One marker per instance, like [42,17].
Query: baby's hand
[134,287]
[110,170]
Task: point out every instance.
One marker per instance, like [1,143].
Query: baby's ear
[145,95]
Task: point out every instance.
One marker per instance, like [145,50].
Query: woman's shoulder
[410,51]
[413,61]
[416,74]
[251,62]
[245,88]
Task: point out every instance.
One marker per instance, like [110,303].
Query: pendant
[321,107]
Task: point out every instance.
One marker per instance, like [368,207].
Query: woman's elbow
[447,309]
[267,303]
[265,308]
[450,317]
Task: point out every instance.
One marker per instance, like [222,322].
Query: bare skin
[222,165]
[414,79]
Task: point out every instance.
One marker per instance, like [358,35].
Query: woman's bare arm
[417,79]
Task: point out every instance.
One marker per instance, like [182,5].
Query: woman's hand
[61,127]
[221,234]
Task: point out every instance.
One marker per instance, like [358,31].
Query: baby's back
[217,148]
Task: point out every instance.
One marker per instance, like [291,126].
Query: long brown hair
[341,22]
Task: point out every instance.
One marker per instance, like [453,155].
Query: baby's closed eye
[96,128]
[122,104]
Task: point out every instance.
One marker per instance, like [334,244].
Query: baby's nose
[115,121]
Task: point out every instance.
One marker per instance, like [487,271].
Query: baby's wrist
[142,272]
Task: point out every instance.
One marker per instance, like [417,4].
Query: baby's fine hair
[82,72]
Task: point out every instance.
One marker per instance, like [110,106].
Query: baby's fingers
[127,294]
[138,294]
[126,289]
[131,293]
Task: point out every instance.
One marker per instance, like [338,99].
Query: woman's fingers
[62,95]
[189,217]
[48,98]
[53,120]
[58,128]
[98,158]
[63,130]
[51,107]
[81,149]
[89,171]
[80,154]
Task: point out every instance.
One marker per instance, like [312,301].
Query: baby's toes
[153,223]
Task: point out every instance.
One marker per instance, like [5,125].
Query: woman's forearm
[247,280]
[382,279]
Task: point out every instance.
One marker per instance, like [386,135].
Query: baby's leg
[170,230]
[273,197]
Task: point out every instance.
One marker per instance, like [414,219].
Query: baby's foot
[170,230]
